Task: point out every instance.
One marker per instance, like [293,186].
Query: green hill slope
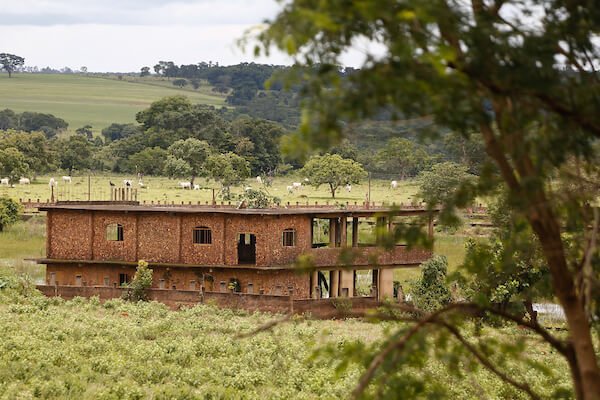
[82,100]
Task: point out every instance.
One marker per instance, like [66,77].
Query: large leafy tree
[10,62]
[75,153]
[34,146]
[403,157]
[9,212]
[332,170]
[228,169]
[187,157]
[13,164]
[520,74]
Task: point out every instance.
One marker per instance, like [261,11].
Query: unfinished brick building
[224,249]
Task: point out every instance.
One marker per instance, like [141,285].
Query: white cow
[290,189]
[185,185]
[127,182]
[348,188]
[4,181]
[306,180]
[141,184]
[394,184]
[259,180]
[66,179]
[24,181]
[52,182]
[196,186]
[248,188]
[296,185]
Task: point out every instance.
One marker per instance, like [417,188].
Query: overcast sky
[124,35]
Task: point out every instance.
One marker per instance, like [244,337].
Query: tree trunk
[332,191]
[9,73]
[192,181]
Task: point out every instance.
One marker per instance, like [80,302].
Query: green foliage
[85,131]
[75,153]
[253,198]
[150,161]
[332,170]
[228,169]
[9,212]
[403,157]
[13,164]
[34,146]
[187,157]
[141,281]
[263,138]
[180,82]
[119,131]
[431,292]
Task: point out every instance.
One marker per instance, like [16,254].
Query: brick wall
[323,308]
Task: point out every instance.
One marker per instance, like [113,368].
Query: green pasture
[164,189]
[82,100]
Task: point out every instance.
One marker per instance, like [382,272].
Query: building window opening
[106,281]
[320,232]
[123,279]
[202,235]
[323,285]
[114,232]
[222,286]
[365,283]
[289,237]
[250,288]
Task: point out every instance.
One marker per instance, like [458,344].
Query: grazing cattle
[248,188]
[185,185]
[127,182]
[24,181]
[290,189]
[4,181]
[394,184]
[66,179]
[297,185]
[141,184]
[52,182]
[196,186]
[259,180]
[306,180]
[348,188]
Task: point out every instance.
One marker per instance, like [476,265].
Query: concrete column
[354,232]
[332,232]
[314,283]
[379,227]
[346,283]
[386,283]
[334,283]
[344,231]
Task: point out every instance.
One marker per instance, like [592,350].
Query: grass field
[165,189]
[82,100]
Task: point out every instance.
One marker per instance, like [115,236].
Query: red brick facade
[79,253]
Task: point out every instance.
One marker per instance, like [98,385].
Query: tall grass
[25,239]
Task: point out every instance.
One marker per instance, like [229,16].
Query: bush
[431,292]
[9,212]
[141,281]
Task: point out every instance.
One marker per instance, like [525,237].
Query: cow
[259,180]
[290,189]
[24,181]
[66,179]
[296,185]
[127,182]
[5,181]
[185,185]
[394,184]
[196,186]
[348,188]
[52,182]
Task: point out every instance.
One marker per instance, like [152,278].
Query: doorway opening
[247,248]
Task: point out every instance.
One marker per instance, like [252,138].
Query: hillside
[82,100]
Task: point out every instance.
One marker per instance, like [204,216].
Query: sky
[125,35]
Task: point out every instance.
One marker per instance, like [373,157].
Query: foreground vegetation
[50,348]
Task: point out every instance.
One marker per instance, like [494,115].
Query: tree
[141,282]
[9,212]
[35,148]
[10,62]
[228,169]
[13,164]
[195,83]
[8,119]
[187,157]
[180,82]
[258,141]
[402,156]
[440,185]
[332,170]
[75,152]
[47,123]
[145,71]
[119,131]
[532,95]
[83,69]
[150,161]
[85,131]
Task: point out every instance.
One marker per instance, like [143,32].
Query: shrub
[431,292]
[141,281]
[9,212]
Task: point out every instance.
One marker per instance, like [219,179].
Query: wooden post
[89,188]
[343,231]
